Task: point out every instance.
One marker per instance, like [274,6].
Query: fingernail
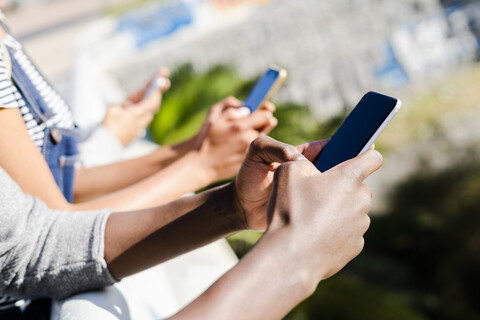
[161,82]
[242,112]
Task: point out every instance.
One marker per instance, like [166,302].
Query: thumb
[364,165]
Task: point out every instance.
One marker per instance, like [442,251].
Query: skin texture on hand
[227,132]
[326,212]
[126,121]
[254,181]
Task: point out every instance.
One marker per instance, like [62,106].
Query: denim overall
[59,146]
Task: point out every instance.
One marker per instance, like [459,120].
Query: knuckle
[289,152]
[366,201]
[360,245]
[230,100]
[345,176]
[356,175]
[367,190]
[285,168]
[368,221]
[229,114]
[378,155]
[267,115]
[236,128]
[258,144]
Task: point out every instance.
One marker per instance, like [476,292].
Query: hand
[128,120]
[226,134]
[254,181]
[324,213]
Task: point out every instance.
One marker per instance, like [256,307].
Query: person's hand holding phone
[265,88]
[316,225]
[254,181]
[129,120]
[225,135]
[315,220]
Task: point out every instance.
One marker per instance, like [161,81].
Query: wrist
[204,165]
[237,208]
[201,173]
[228,208]
[292,260]
[186,146]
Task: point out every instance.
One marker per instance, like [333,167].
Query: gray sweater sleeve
[47,253]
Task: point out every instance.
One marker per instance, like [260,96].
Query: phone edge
[380,129]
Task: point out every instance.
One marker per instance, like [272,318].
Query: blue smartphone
[359,130]
[265,88]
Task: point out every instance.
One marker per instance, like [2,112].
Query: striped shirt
[10,97]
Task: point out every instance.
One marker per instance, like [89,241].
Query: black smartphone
[359,130]
[265,87]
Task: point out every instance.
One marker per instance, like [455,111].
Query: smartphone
[157,83]
[359,130]
[265,88]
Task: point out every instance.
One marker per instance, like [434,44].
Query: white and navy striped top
[10,97]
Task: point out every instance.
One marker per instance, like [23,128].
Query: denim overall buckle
[56,136]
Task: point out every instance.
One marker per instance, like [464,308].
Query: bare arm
[215,153]
[217,157]
[308,212]
[136,240]
[21,159]
[94,182]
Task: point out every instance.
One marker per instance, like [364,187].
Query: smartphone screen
[261,89]
[359,130]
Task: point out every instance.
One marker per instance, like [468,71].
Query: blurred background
[422,254]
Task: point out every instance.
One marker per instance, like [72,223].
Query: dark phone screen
[357,129]
[261,89]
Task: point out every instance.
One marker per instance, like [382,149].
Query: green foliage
[346,296]
[242,242]
[192,94]
[187,102]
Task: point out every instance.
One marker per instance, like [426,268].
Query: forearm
[97,181]
[267,283]
[185,175]
[135,241]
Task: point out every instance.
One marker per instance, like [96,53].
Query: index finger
[365,164]
[311,149]
[257,120]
